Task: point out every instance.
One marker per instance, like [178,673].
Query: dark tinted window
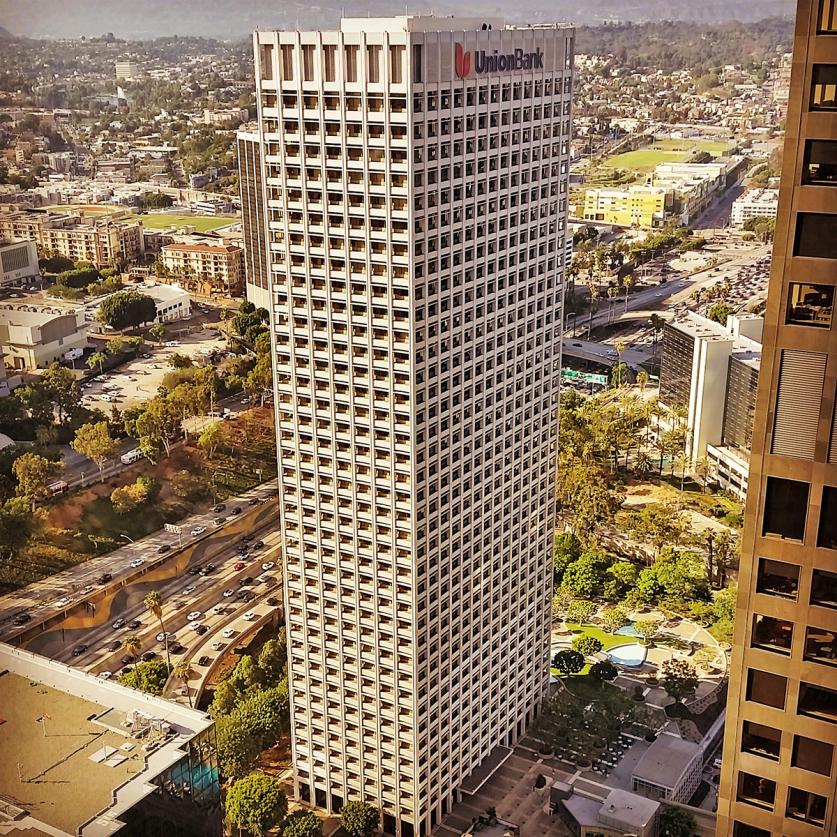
[827,535]
[816,235]
[828,17]
[772,634]
[742,829]
[820,646]
[785,507]
[776,578]
[766,688]
[756,790]
[818,702]
[812,755]
[824,589]
[810,305]
[806,806]
[824,87]
[761,740]
[820,166]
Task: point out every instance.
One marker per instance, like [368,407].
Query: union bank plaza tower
[416,213]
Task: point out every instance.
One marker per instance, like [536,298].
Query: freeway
[604,353]
[77,590]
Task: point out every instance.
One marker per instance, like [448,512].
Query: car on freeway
[125,659]
[163,548]
[243,582]
[218,508]
[189,589]
[113,646]
[119,623]
[235,510]
[272,601]
[206,569]
[239,565]
[104,578]
[227,633]
[254,501]
[104,675]
[86,589]
[243,549]
[79,650]
[198,530]
[137,562]
[257,545]
[228,593]
[268,565]
[22,619]
[246,595]
[148,656]
[134,624]
[193,570]
[177,648]
[63,601]
[264,578]
[200,630]
[164,635]
[218,520]
[219,609]
[248,537]
[217,645]
[251,616]
[203,660]
[194,616]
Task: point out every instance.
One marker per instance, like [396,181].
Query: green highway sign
[587,377]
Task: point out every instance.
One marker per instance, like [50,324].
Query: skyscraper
[778,774]
[416,181]
[253,227]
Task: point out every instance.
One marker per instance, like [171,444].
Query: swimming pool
[627,630]
[628,655]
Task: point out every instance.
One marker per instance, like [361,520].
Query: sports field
[85,209]
[644,160]
[202,223]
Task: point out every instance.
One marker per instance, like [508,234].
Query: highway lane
[60,593]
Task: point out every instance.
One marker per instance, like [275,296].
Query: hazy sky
[236,18]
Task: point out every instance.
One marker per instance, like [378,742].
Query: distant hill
[5,35]
[138,19]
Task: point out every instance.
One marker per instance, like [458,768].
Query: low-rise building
[18,262]
[128,70]
[225,117]
[206,269]
[173,302]
[670,769]
[33,336]
[754,203]
[115,760]
[630,206]
[621,813]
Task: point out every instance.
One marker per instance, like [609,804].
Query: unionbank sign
[481,62]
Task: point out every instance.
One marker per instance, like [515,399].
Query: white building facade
[416,181]
[18,263]
[754,203]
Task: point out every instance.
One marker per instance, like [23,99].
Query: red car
[239,565]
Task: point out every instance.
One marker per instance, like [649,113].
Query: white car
[190,589]
[119,623]
[217,645]
[137,562]
[171,343]
[228,593]
[161,637]
[268,565]
[264,578]
[63,602]
[195,625]
[251,616]
[105,397]
[194,615]
[228,633]
[87,589]
[104,675]
[198,530]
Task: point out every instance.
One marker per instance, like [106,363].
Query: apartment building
[129,70]
[206,269]
[416,180]
[781,732]
[632,206]
[253,226]
[754,203]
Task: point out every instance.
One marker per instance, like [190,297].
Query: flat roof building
[621,813]
[669,769]
[18,262]
[754,203]
[89,757]
[416,174]
[205,269]
[32,336]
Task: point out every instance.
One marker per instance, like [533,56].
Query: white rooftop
[418,23]
[665,761]
[630,809]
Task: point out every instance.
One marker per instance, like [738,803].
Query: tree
[681,463]
[273,658]
[676,822]
[132,645]
[216,435]
[127,309]
[157,425]
[620,577]
[97,359]
[266,713]
[260,380]
[360,819]
[302,823]
[256,803]
[585,576]
[702,469]
[154,604]
[657,524]
[238,746]
[566,548]
[568,662]
[586,645]
[225,698]
[94,441]
[642,380]
[180,361]
[17,523]
[182,671]
[619,375]
[612,619]
[583,490]
[247,676]
[64,388]
[580,611]
[126,498]
[148,677]
[719,313]
[604,670]
[34,474]
[157,332]
[680,679]
[647,629]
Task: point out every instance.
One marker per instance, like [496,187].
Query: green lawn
[643,160]
[607,640]
[202,223]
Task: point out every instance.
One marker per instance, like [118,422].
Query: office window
[396,64]
[351,62]
[827,535]
[785,507]
[742,829]
[816,235]
[766,688]
[828,17]
[813,755]
[798,401]
[810,305]
[824,589]
[820,646]
[330,62]
[266,61]
[776,578]
[817,702]
[819,167]
[756,790]
[824,87]
[418,70]
[373,61]
[287,62]
[761,740]
[308,62]
[806,806]
[772,634]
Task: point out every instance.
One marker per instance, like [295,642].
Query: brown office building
[778,777]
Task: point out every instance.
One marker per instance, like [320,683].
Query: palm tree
[154,603]
[183,671]
[627,282]
[681,462]
[642,380]
[132,645]
[612,293]
[97,359]
[643,464]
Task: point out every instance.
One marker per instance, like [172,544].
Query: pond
[628,655]
[627,630]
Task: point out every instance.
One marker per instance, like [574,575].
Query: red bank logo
[462,61]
